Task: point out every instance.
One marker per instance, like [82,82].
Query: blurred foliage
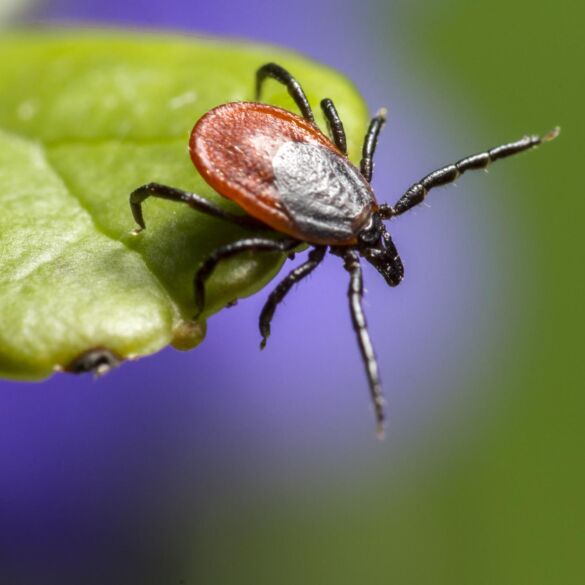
[85,118]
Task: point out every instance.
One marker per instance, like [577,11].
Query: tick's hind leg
[249,244]
[278,294]
[449,173]
[355,292]
[335,124]
[195,201]
[294,87]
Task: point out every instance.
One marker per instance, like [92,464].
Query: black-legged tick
[292,178]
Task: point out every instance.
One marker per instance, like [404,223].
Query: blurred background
[266,469]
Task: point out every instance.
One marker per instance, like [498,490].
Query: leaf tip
[188,334]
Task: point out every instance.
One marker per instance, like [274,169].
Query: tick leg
[449,173]
[276,296]
[335,124]
[294,87]
[370,142]
[249,244]
[355,293]
[195,201]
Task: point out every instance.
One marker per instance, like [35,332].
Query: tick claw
[552,134]
[380,434]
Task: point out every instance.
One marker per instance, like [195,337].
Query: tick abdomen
[282,171]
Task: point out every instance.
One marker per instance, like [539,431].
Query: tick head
[377,247]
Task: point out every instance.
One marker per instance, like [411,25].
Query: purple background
[112,472]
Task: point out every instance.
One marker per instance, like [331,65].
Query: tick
[294,180]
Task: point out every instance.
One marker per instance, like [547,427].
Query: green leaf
[85,118]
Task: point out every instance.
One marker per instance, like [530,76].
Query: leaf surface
[85,118]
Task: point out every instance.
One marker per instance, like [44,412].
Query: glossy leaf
[85,118]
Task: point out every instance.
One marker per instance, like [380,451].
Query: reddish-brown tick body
[282,170]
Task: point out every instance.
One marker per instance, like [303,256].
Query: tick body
[291,178]
[283,171]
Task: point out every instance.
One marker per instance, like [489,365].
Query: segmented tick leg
[335,124]
[293,86]
[370,142]
[247,245]
[417,192]
[355,292]
[195,201]
[278,294]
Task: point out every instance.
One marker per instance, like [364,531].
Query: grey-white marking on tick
[320,190]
